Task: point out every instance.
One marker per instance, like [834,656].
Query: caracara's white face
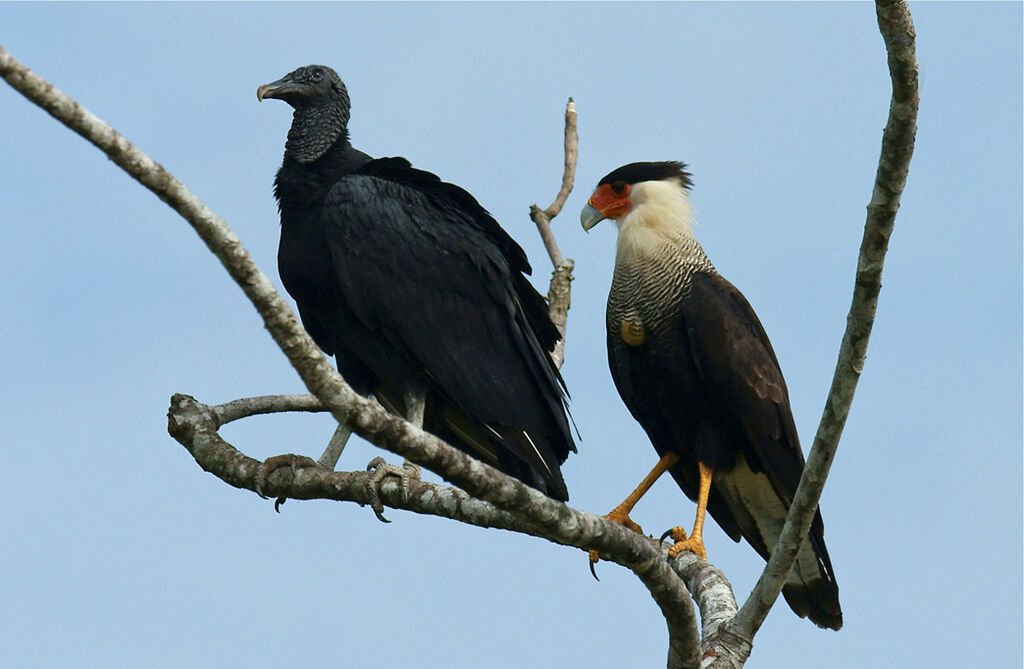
[662,206]
[650,214]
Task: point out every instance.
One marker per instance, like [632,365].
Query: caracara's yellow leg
[620,514]
[695,542]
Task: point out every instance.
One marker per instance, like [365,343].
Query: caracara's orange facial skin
[610,203]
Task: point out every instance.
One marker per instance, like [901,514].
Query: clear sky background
[116,550]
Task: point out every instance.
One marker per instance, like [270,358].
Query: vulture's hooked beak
[273,90]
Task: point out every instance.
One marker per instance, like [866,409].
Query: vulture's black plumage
[695,368]
[413,286]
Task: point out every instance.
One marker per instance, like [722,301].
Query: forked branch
[516,505]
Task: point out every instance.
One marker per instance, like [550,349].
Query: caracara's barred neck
[656,255]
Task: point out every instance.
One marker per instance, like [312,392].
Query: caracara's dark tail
[748,506]
[811,589]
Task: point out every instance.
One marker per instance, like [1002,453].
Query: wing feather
[743,378]
[426,270]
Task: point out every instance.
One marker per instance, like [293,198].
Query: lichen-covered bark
[500,500]
[195,426]
[560,288]
[488,498]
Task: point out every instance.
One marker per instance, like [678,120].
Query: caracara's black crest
[635,173]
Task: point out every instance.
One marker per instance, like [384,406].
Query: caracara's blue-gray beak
[607,201]
[590,217]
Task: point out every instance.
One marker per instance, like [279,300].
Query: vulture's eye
[317,75]
[619,187]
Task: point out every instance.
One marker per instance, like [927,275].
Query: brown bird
[694,366]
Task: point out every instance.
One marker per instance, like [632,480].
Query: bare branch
[673,599]
[254,406]
[514,504]
[542,217]
[367,417]
[897,30]
[709,588]
[559,298]
[572,141]
[560,288]
[195,425]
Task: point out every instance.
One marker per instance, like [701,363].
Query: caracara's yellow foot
[622,518]
[694,544]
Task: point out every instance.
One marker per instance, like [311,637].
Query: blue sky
[119,551]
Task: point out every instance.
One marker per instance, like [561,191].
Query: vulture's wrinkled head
[322,107]
[309,86]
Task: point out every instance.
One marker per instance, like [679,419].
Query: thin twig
[254,406]
[897,30]
[559,298]
[560,288]
[572,142]
[542,217]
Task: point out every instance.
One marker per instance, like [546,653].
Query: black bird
[694,366]
[417,291]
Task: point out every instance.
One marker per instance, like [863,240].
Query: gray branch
[560,288]
[897,28]
[493,499]
[514,505]
[542,217]
[195,426]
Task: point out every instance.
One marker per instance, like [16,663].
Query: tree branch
[195,426]
[515,505]
[254,406]
[367,417]
[542,217]
[896,26]
[560,288]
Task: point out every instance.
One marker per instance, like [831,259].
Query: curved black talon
[665,535]
[379,468]
[593,572]
[272,464]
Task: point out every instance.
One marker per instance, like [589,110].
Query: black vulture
[417,291]
[695,368]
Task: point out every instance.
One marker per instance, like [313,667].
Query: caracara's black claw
[593,572]
[666,534]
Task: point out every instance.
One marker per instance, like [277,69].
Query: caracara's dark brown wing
[744,385]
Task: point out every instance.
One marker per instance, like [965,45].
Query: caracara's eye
[318,75]
[619,187]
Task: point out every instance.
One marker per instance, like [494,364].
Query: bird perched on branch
[695,368]
[417,291]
